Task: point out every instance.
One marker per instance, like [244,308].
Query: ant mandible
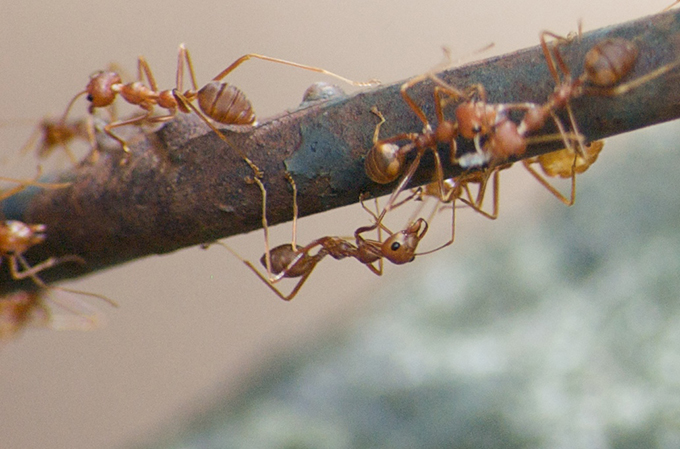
[218,101]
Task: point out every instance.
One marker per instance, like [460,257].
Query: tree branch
[182,185]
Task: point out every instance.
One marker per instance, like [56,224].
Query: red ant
[564,164]
[292,261]
[218,101]
[16,238]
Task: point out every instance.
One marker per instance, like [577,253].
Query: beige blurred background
[196,321]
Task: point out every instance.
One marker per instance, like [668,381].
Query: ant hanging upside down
[293,261]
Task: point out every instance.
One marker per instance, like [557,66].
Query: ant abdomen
[281,258]
[384,163]
[225,104]
[609,61]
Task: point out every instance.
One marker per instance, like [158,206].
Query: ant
[38,308]
[16,238]
[605,65]
[564,164]
[51,133]
[217,100]
[292,261]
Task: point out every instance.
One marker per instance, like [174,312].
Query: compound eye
[395,246]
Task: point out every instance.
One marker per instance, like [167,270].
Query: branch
[182,185]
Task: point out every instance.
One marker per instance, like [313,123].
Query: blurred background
[522,332]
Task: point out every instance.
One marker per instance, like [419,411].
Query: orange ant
[39,308]
[385,161]
[51,134]
[16,238]
[292,261]
[564,164]
[218,101]
[605,65]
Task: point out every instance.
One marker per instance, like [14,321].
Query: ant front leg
[32,271]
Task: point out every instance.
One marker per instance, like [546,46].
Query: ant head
[16,237]
[100,90]
[384,163]
[473,118]
[400,247]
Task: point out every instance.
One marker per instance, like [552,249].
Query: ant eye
[90,98]
[395,246]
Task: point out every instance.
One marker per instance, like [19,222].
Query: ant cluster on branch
[497,140]
[482,138]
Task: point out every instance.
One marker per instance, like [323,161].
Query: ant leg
[132,121]
[32,271]
[269,282]
[143,68]
[265,225]
[245,58]
[290,179]
[377,224]
[183,57]
[453,232]
[478,202]
[188,105]
[25,183]
[411,103]
[553,58]
[376,131]
[544,182]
